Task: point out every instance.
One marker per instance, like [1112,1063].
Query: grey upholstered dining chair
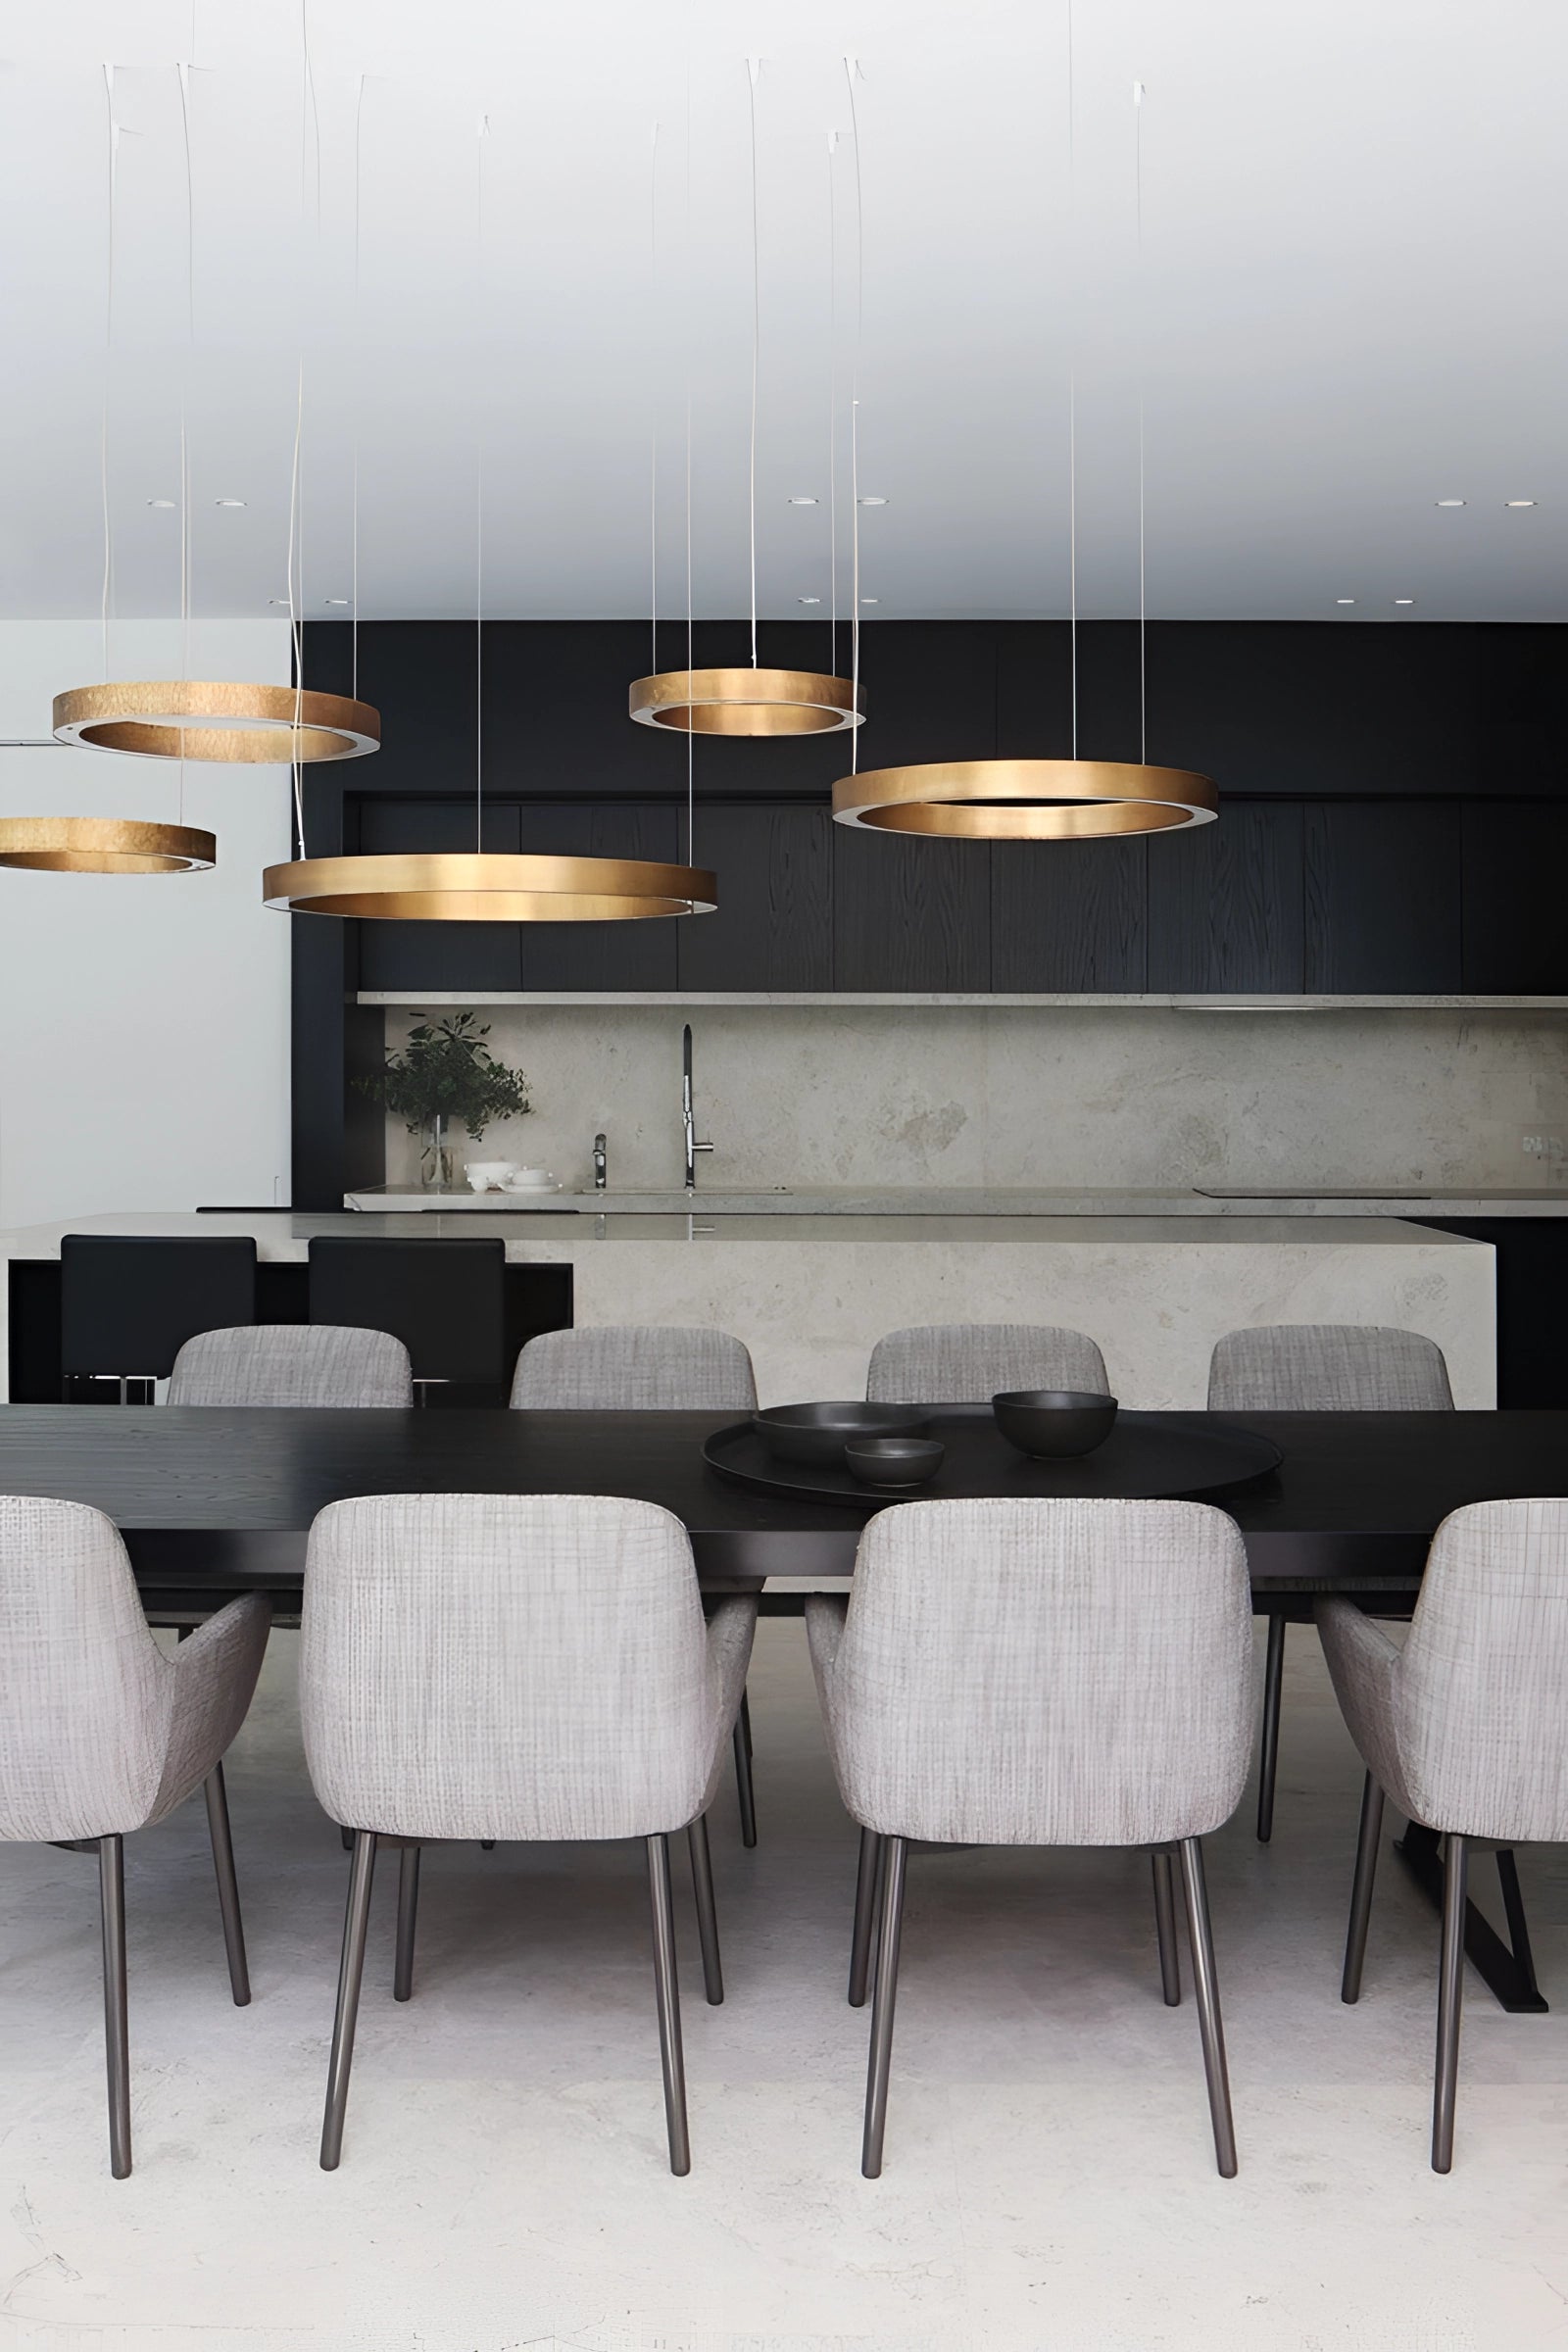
[484,1666]
[1318,1368]
[969,1364]
[647,1367]
[101,1732]
[1462,1727]
[1038,1673]
[292,1364]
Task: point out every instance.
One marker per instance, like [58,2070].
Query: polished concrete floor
[1050,2181]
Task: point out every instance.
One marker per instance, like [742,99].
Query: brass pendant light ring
[103,845]
[745,701]
[456,887]
[194,718]
[1024,799]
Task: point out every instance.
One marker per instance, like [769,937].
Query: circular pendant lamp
[746,699]
[1024,799]
[190,718]
[746,702]
[103,845]
[488,887]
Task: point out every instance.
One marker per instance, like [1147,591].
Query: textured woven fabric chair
[1318,1368]
[969,1364]
[102,1734]
[484,1666]
[1065,1673]
[632,1367]
[1462,1727]
[646,1367]
[292,1364]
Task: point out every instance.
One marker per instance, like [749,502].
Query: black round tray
[1147,1455]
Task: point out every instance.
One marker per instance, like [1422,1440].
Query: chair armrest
[214,1675]
[1363,1664]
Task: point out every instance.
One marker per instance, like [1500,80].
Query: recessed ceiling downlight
[1519,502]
[228,502]
[1451,502]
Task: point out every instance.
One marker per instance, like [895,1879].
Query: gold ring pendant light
[484,886]
[191,719]
[1025,800]
[105,845]
[1037,800]
[746,699]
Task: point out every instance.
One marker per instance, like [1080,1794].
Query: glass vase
[435,1154]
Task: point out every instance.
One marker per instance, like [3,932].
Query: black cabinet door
[930,690]
[1515,857]
[614,955]
[1225,904]
[1382,898]
[410,957]
[910,914]
[1069,914]
[775,924]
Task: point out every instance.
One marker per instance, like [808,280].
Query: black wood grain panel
[930,693]
[910,914]
[1225,902]
[1310,707]
[775,924]
[1522,695]
[1381,883]
[614,955]
[1069,914]
[1516,858]
[408,956]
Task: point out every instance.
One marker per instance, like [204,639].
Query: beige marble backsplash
[1077,1097]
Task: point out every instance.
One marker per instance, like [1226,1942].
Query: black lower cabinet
[1382,885]
[1069,915]
[1532,1302]
[774,929]
[1514,855]
[910,914]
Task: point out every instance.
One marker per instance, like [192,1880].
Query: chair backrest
[292,1364]
[629,1368]
[129,1302]
[445,1301]
[1480,1683]
[969,1364]
[1328,1368]
[505,1666]
[1044,1673]
[84,1692]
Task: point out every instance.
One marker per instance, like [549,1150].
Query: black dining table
[214,1500]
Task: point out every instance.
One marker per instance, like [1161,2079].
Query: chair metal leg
[743,1773]
[1268,1762]
[894,1852]
[865,1894]
[1205,1985]
[1366,1868]
[356,1926]
[1450,1991]
[1513,1910]
[217,1828]
[706,1908]
[116,2023]
[1170,1963]
[667,1996]
[408,1921]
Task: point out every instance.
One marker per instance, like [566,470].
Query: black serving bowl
[819,1433]
[897,1464]
[1052,1423]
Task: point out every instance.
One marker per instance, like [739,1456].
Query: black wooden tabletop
[212,1500]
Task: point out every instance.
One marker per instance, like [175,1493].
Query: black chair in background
[445,1301]
[129,1302]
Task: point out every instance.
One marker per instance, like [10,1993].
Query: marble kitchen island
[810,1294]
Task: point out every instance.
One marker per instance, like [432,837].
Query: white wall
[144,1055]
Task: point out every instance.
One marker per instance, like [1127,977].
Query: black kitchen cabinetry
[1382,885]
[773,930]
[1225,904]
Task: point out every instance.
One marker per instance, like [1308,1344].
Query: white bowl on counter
[489,1175]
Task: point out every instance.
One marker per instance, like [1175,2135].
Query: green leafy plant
[447,1071]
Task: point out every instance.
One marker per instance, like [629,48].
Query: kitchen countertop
[860,1200]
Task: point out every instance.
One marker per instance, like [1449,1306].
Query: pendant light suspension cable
[228,720]
[479,509]
[105,845]
[653,406]
[354,494]
[1142,388]
[852,67]
[746,699]
[832,406]
[1047,800]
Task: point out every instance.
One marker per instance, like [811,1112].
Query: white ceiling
[1352,303]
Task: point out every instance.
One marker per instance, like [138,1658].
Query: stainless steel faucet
[687,1116]
[600,1164]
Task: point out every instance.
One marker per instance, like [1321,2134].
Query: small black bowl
[897,1464]
[819,1433]
[1050,1424]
